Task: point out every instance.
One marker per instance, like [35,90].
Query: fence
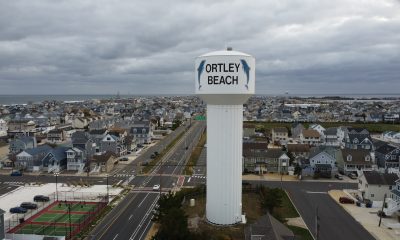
[100,199]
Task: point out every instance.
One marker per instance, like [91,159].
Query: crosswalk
[199,176]
[123,175]
[13,183]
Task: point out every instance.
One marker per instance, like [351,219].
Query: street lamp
[56,175]
[107,188]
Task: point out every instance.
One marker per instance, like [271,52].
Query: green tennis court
[76,207]
[61,219]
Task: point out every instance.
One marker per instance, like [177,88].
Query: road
[335,223]
[131,219]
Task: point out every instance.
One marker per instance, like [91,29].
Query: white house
[320,129]
[3,127]
[79,123]
[75,159]
[393,202]
[374,185]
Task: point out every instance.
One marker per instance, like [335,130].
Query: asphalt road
[335,223]
[131,219]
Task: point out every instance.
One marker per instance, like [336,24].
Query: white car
[156,187]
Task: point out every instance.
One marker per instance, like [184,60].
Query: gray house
[22,143]
[31,159]
[387,156]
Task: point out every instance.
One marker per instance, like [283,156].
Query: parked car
[352,175]
[18,210]
[156,187]
[338,176]
[28,205]
[16,173]
[41,198]
[346,200]
[152,156]
[124,159]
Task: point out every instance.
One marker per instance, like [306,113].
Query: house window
[372,195]
[367,158]
[349,158]
[390,187]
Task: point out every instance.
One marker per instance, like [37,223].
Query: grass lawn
[60,218]
[301,233]
[287,210]
[195,154]
[371,127]
[252,209]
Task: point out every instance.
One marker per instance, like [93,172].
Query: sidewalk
[368,218]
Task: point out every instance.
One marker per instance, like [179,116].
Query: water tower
[224,80]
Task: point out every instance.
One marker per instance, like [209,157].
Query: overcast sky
[149,47]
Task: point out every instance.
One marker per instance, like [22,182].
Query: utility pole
[380,215]
[107,189]
[56,175]
[316,224]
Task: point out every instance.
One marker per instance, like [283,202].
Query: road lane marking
[144,219]
[316,192]
[189,179]
[115,237]
[140,204]
[130,217]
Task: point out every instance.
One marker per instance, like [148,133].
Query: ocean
[25,99]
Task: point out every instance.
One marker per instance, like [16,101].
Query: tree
[173,225]
[271,198]
[297,170]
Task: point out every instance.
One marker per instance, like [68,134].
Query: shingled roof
[376,178]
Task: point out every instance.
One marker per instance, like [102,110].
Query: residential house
[323,160]
[22,143]
[76,159]
[249,131]
[280,134]
[310,136]
[80,123]
[142,132]
[114,144]
[252,161]
[358,138]
[268,228]
[55,160]
[31,159]
[393,201]
[83,141]
[272,160]
[374,185]
[68,130]
[331,137]
[55,136]
[104,162]
[353,160]
[387,156]
[299,150]
[3,127]
[296,129]
[21,128]
[320,129]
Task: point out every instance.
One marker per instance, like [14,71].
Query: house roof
[310,133]
[359,136]
[270,153]
[97,131]
[268,228]
[255,146]
[314,151]
[298,148]
[280,130]
[385,149]
[377,178]
[104,157]
[331,131]
[358,156]
[38,150]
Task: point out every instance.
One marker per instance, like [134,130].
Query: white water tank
[224,80]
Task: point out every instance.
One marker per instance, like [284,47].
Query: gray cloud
[303,46]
